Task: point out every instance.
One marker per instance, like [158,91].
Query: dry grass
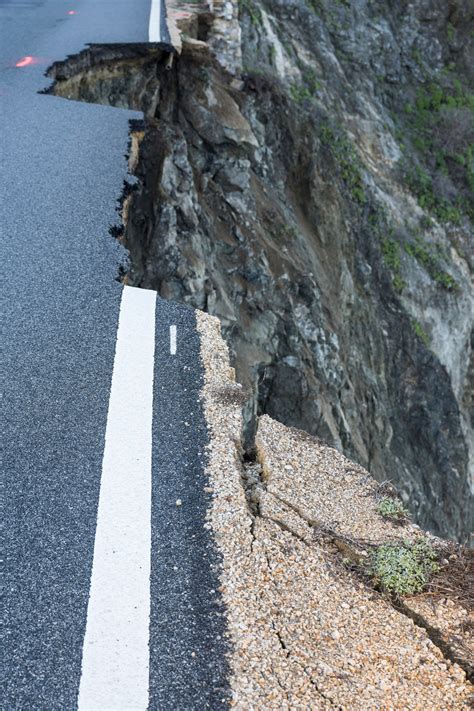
[455,580]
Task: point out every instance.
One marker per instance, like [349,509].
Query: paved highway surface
[110,589]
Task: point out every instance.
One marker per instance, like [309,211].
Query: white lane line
[115,656]
[173,340]
[154,27]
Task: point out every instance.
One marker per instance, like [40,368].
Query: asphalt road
[126,572]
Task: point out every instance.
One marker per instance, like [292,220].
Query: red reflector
[25,61]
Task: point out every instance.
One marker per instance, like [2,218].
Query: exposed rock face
[319,206]
[224,36]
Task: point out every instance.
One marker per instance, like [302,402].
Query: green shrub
[402,569]
[300,93]
[421,184]
[441,119]
[392,508]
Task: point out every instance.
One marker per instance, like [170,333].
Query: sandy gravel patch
[305,633]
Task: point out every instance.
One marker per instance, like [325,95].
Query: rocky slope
[305,173]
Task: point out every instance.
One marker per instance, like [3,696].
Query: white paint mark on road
[154,27]
[115,657]
[173,340]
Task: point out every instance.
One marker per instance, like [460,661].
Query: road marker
[154,27]
[173,346]
[115,656]
[25,61]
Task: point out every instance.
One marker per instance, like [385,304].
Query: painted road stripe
[154,27]
[173,340]
[115,657]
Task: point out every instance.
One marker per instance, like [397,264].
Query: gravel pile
[305,632]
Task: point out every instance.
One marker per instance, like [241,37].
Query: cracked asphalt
[63,167]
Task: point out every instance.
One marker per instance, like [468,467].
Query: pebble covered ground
[453,620]
[323,486]
[305,631]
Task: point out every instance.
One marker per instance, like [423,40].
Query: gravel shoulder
[305,630]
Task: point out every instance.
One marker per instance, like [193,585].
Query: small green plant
[451,32]
[252,11]
[402,569]
[421,184]
[300,93]
[316,6]
[426,222]
[469,162]
[307,89]
[420,332]
[430,263]
[392,508]
[391,256]
[445,280]
[416,54]
[347,161]
[287,232]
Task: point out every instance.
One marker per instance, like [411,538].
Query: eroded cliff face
[318,202]
[394,83]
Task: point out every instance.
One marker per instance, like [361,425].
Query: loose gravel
[306,632]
